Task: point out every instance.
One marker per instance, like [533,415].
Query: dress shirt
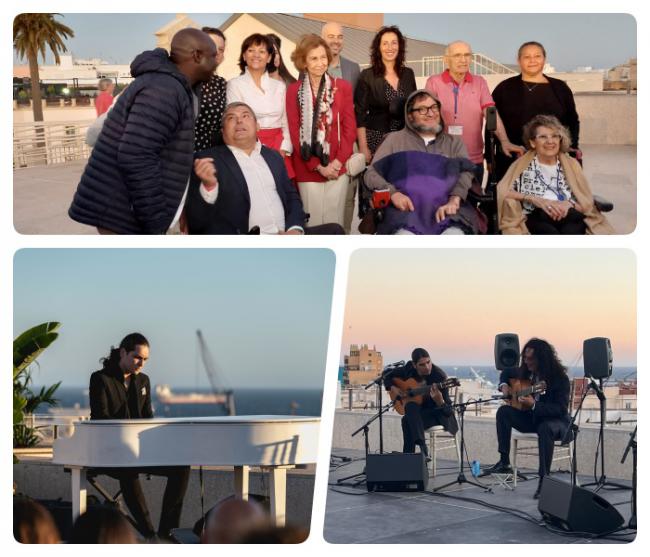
[268,103]
[266,209]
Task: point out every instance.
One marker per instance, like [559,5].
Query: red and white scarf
[316,118]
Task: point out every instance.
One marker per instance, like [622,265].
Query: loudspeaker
[506,351]
[597,357]
[396,472]
[576,509]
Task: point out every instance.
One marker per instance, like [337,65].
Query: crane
[214,376]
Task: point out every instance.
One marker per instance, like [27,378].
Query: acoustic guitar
[412,390]
[522,387]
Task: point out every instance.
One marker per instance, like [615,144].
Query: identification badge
[455,130]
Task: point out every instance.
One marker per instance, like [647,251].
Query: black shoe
[537,491]
[498,468]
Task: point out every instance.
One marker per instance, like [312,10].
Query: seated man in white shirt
[243,186]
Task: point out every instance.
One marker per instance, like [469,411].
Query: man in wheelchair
[426,175]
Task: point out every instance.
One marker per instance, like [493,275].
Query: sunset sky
[453,301]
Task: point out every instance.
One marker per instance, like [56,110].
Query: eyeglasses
[461,55]
[423,110]
[554,137]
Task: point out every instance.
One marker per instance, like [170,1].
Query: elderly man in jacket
[136,178]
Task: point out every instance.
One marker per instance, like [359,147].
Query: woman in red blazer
[322,126]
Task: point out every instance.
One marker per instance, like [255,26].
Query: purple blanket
[427,179]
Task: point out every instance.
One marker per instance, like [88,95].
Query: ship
[167,396]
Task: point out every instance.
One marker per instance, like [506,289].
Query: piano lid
[208,441]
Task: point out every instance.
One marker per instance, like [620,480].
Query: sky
[263,313]
[572,40]
[453,302]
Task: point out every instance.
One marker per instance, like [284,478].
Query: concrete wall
[481,442]
[44,480]
[607,118]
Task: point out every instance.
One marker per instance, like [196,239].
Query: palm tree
[33,33]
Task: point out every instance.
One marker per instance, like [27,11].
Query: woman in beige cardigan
[545,191]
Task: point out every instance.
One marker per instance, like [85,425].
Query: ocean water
[302,402]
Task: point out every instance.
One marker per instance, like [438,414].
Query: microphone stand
[602,481]
[387,372]
[461,478]
[574,429]
[631,444]
[365,429]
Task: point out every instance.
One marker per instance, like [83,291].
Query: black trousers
[548,431]
[172,504]
[538,222]
[416,420]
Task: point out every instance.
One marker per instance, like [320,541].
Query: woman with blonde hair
[545,191]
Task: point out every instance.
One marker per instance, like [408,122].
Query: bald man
[230,520]
[136,178]
[343,68]
[465,98]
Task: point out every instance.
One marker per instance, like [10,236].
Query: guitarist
[436,408]
[546,414]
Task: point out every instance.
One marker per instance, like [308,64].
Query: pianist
[121,391]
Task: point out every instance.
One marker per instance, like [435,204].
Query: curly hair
[257,39]
[376,62]
[546,121]
[548,363]
[305,45]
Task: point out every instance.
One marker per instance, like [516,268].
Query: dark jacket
[137,173]
[437,375]
[553,403]
[229,214]
[108,397]
[372,109]
[350,71]
[510,97]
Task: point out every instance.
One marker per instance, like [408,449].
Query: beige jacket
[511,217]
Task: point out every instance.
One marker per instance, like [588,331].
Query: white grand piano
[274,443]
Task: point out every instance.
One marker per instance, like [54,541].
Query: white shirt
[266,210]
[269,105]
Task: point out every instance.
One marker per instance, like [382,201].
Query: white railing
[432,65]
[45,143]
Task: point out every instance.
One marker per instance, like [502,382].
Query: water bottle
[476,468]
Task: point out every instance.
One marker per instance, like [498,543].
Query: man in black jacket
[244,184]
[121,391]
[136,178]
[546,414]
[436,408]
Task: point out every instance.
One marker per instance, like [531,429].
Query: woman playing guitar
[421,413]
[546,414]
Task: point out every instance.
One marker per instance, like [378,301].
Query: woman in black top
[382,90]
[520,98]
[207,129]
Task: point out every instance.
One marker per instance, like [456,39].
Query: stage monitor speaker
[597,357]
[576,509]
[396,472]
[506,351]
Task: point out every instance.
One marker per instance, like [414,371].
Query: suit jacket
[350,71]
[108,397]
[372,109]
[437,375]
[229,214]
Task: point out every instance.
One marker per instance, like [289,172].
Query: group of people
[185,151]
[231,520]
[545,413]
